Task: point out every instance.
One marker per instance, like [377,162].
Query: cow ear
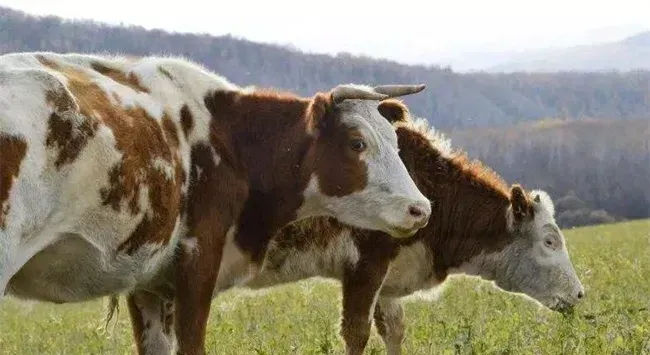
[319,112]
[521,207]
[393,110]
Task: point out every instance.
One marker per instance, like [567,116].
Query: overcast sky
[406,30]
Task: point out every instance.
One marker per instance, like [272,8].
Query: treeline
[596,171]
[451,100]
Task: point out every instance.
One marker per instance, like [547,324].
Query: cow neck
[263,138]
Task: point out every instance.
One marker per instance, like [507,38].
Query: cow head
[358,176]
[537,262]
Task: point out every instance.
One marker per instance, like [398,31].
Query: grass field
[470,316]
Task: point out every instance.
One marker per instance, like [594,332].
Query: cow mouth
[562,306]
[401,233]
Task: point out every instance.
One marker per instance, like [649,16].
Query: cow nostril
[581,294]
[416,211]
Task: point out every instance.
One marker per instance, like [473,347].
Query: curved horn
[399,90]
[343,92]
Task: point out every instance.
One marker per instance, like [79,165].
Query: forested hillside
[593,158]
[597,171]
[451,100]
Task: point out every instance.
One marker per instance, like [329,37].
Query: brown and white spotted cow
[482,228]
[115,172]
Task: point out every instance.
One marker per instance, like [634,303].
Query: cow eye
[358,145]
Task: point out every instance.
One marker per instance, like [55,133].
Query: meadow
[468,316]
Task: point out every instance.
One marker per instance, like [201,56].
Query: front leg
[389,320]
[361,285]
[216,196]
[196,277]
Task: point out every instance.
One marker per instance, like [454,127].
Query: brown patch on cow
[132,175]
[170,131]
[69,135]
[187,121]
[12,153]
[469,202]
[67,131]
[131,80]
[146,163]
[60,100]
[47,62]
[338,167]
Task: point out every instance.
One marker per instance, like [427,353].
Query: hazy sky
[405,30]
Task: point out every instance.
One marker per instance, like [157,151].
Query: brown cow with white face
[116,172]
[482,227]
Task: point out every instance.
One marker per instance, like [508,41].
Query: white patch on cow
[330,261]
[215,157]
[410,271]
[164,166]
[236,267]
[189,245]
[546,203]
[289,265]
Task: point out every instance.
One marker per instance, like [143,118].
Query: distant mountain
[631,53]
[451,100]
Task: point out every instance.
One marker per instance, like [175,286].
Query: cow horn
[344,92]
[399,90]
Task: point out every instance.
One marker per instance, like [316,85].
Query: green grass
[470,317]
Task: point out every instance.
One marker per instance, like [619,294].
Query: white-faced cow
[113,169]
[481,228]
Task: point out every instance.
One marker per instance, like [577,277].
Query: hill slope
[451,100]
[632,53]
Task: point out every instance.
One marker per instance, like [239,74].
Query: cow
[117,172]
[483,228]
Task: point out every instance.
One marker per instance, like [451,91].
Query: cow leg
[149,314]
[389,320]
[360,289]
[196,278]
